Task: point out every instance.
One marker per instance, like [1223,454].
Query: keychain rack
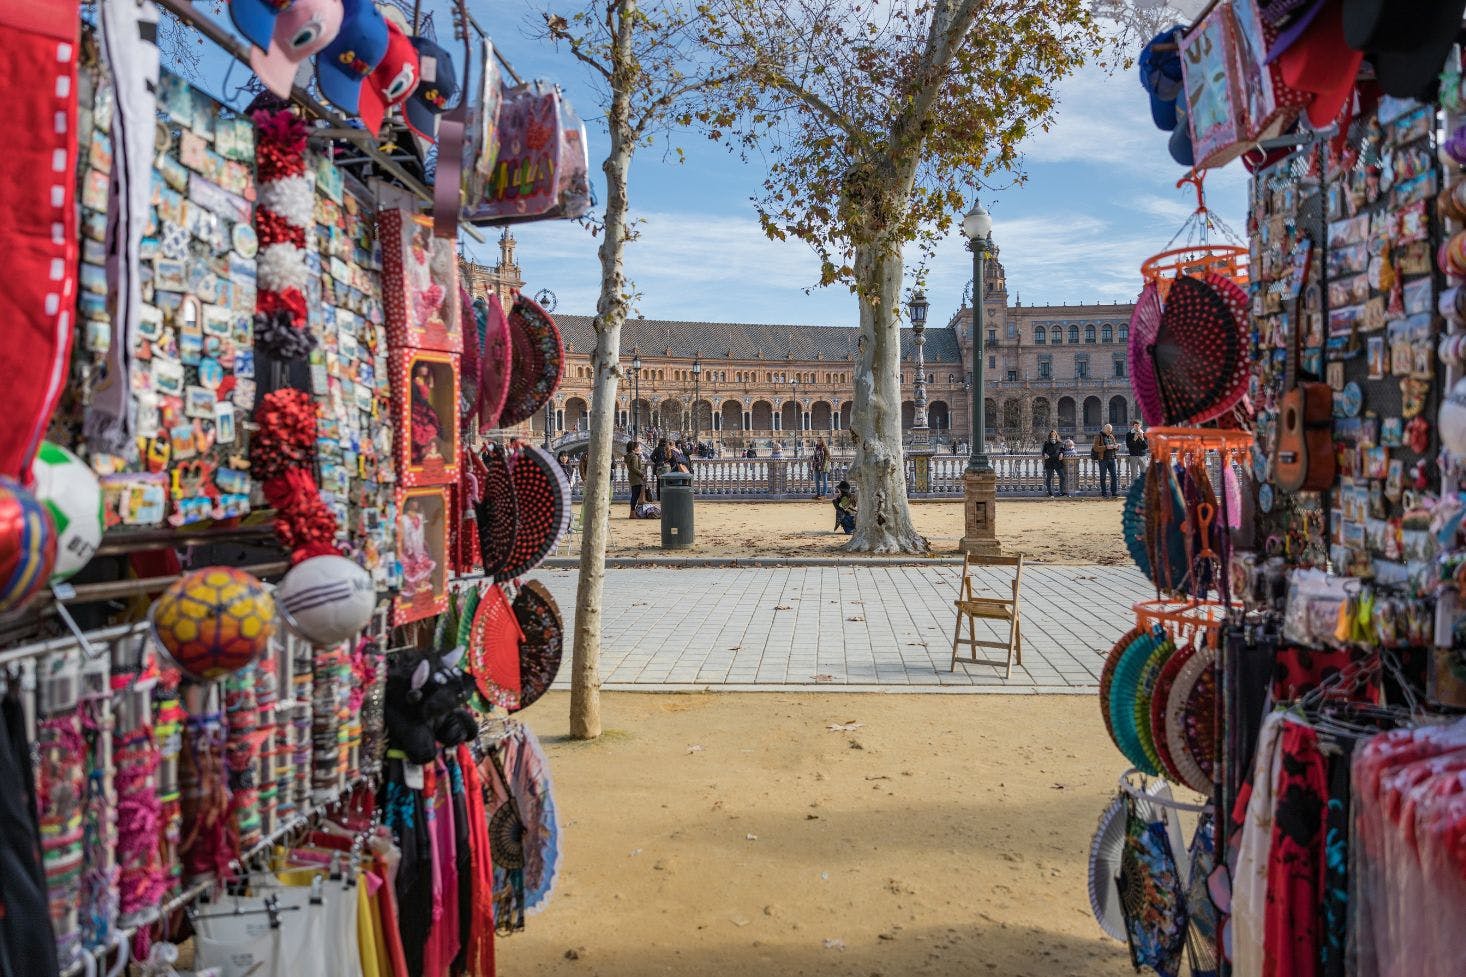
[122,934]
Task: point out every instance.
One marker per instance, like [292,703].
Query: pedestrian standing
[1137,448]
[660,465]
[1053,451]
[819,462]
[635,474]
[1106,451]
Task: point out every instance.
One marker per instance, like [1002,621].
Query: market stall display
[1305,539]
[237,451]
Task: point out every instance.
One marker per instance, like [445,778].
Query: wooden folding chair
[972,607]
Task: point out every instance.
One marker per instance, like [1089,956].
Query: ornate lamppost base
[980,511]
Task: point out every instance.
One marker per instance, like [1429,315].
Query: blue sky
[1100,197]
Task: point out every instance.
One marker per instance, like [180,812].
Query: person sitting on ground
[845,507]
[635,473]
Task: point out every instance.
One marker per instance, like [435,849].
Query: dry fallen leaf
[848,726]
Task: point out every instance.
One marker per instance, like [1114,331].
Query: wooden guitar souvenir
[1305,457]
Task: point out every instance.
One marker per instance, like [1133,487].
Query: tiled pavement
[846,628]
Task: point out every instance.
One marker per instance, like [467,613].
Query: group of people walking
[1105,449]
[667,456]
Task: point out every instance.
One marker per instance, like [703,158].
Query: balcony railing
[750,479]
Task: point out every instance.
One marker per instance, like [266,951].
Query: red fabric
[480,937]
[38,235]
[391,932]
[1296,861]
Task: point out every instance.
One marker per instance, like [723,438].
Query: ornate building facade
[1047,366]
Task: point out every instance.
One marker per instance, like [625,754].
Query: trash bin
[676,511]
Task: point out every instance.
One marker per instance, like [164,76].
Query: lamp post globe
[979,483]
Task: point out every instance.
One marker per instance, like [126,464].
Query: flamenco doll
[418,564]
[427,426]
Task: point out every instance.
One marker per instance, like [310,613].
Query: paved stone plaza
[846,628]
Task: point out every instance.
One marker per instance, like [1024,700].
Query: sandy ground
[1071,531]
[735,834]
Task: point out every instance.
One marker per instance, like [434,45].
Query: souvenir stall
[1289,704]
[265,620]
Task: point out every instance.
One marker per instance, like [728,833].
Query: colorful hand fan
[1159,699]
[1107,673]
[1201,351]
[498,361]
[496,513]
[1144,689]
[1191,721]
[493,649]
[1145,322]
[538,357]
[1122,702]
[543,646]
[542,497]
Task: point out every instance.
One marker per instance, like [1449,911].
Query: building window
[1073,335]
[1081,367]
[1120,366]
[1038,335]
[1124,332]
[992,335]
[1089,334]
[1045,367]
[992,362]
[1107,333]
[1012,375]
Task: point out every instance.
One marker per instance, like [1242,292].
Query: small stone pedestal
[980,512]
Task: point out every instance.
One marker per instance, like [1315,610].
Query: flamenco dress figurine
[427,426]
[417,563]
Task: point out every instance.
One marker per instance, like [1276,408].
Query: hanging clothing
[27,946]
[1249,874]
[1295,859]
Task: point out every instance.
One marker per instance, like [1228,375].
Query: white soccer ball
[67,487]
[326,599]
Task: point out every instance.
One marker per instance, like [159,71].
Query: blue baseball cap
[343,65]
[435,94]
[256,19]
[1160,75]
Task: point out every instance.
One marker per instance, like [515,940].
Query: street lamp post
[917,307]
[696,395]
[635,395]
[549,420]
[979,482]
[798,414]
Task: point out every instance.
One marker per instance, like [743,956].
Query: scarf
[479,941]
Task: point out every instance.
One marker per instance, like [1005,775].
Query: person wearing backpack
[1106,450]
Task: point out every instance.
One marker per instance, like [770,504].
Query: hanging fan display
[1145,323]
[525,837]
[493,649]
[538,356]
[542,498]
[1122,701]
[1152,891]
[1201,937]
[1191,716]
[1144,689]
[497,513]
[1104,867]
[1201,352]
[1164,513]
[1132,525]
[1159,700]
[1107,672]
[543,646]
[498,359]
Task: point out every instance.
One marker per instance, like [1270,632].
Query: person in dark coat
[1053,451]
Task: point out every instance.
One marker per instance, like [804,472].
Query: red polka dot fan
[542,498]
[1200,351]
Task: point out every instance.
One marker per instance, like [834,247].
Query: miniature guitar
[1305,456]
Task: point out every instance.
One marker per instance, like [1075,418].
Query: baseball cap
[344,64]
[301,31]
[256,18]
[437,92]
[391,81]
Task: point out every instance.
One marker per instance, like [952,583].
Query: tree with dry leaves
[877,119]
[645,58]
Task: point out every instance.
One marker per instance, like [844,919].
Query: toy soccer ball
[67,487]
[326,599]
[214,621]
[27,544]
